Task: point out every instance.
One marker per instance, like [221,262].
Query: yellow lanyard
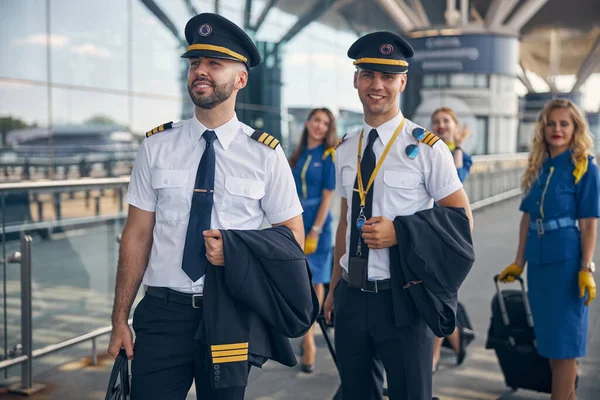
[361,190]
[303,176]
[544,192]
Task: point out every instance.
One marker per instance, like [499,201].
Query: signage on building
[472,54]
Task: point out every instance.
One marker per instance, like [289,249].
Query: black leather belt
[194,300]
[372,286]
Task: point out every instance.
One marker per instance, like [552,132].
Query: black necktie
[194,252]
[367,165]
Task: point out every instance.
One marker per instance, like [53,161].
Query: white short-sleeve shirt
[252,181]
[402,186]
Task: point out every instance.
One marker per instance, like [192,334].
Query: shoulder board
[265,138]
[329,152]
[340,141]
[160,128]
[430,139]
[580,168]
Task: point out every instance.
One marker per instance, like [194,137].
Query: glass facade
[114,68]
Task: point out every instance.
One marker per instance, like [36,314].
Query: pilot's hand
[121,336]
[509,273]
[213,240]
[379,233]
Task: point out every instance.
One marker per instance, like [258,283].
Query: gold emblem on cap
[205,30]
[386,49]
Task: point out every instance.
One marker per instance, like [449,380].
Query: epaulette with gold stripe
[430,139]
[265,138]
[340,141]
[329,152]
[226,353]
[160,128]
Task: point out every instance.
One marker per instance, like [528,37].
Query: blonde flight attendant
[557,238]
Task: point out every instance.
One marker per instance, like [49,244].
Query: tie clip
[204,191]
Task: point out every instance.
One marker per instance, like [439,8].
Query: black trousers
[364,332]
[166,356]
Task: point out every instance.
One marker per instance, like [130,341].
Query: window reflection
[90,130]
[23,40]
[116,64]
[149,113]
[93,49]
[156,63]
[17,117]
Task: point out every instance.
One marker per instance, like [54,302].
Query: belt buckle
[363,289]
[539,224]
[194,297]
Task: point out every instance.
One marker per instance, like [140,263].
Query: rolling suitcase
[512,337]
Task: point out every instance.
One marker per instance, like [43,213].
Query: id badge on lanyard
[362,191]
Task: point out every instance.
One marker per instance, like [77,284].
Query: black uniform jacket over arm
[252,305]
[435,248]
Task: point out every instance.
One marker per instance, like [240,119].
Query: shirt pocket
[560,200]
[170,186]
[400,191]
[348,179]
[241,201]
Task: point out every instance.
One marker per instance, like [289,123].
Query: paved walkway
[479,378]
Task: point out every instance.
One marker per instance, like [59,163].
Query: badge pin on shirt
[412,150]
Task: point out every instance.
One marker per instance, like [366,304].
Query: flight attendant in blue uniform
[314,173]
[557,238]
[444,123]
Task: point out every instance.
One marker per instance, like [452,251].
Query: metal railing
[27,386]
[494,178]
[56,189]
[24,258]
[17,167]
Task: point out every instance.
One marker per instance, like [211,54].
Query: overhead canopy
[571,28]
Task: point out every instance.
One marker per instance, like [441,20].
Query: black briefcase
[118,384]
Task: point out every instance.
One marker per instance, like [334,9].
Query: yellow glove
[509,273]
[310,244]
[586,281]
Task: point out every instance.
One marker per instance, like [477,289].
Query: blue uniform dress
[553,253]
[313,173]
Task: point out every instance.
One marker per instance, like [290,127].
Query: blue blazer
[252,305]
[432,259]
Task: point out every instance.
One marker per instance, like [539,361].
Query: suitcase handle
[504,311]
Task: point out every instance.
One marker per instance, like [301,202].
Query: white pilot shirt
[402,186]
[252,181]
